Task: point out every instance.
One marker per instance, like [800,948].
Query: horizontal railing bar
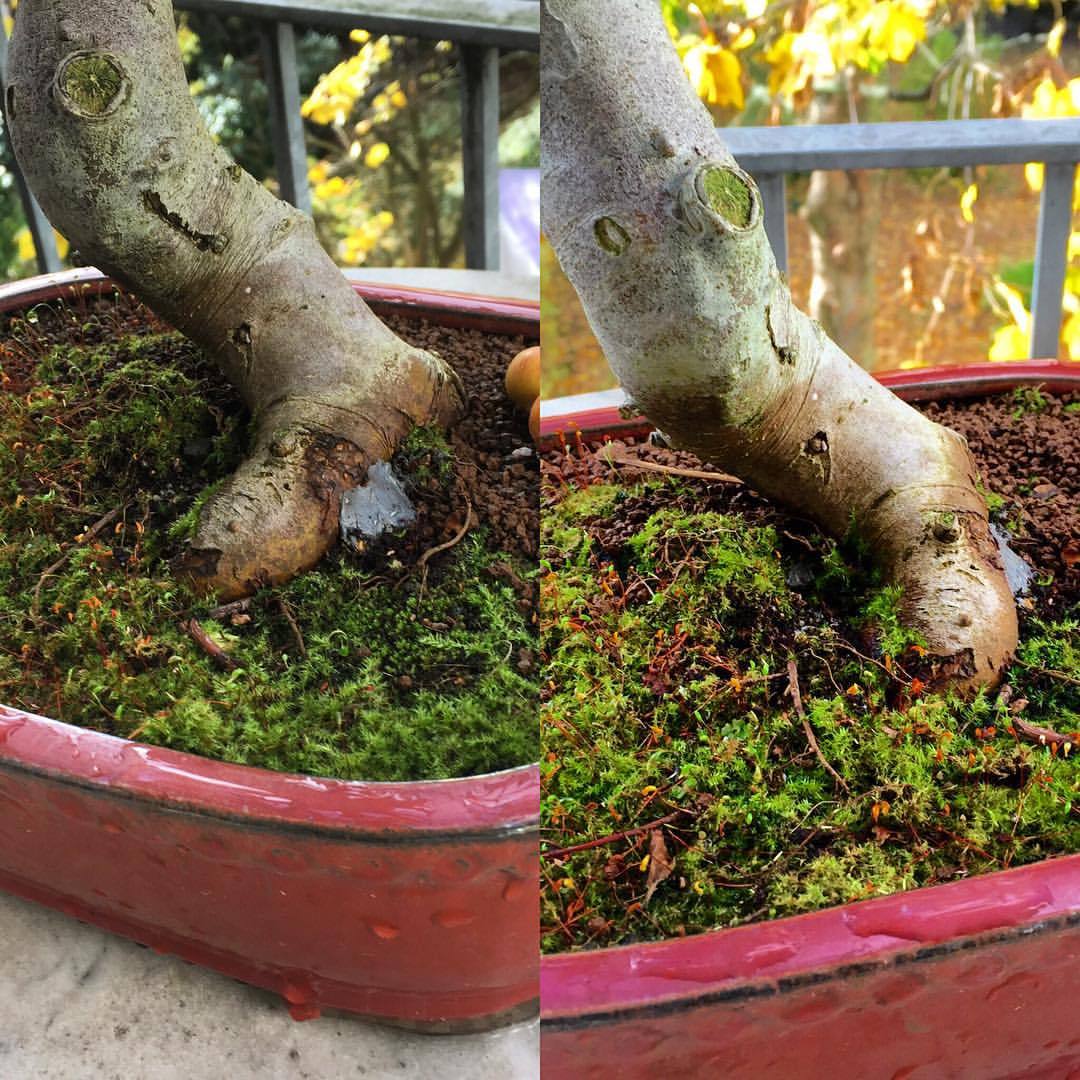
[903,144]
[505,24]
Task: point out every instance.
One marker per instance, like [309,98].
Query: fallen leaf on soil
[661,864]
[1070,553]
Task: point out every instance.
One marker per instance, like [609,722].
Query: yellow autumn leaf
[376,155]
[743,39]
[1015,303]
[25,244]
[967,202]
[1053,39]
[895,28]
[1010,343]
[1071,335]
[715,73]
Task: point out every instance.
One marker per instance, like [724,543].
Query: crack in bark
[213,242]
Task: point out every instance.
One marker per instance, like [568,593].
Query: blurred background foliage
[906,268]
[382,120]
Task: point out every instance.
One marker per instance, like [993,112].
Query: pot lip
[631,982]
[482,807]
[420,300]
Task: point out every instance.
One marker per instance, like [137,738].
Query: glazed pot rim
[584,988]
[483,806]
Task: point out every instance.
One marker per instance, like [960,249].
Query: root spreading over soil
[414,659]
[736,726]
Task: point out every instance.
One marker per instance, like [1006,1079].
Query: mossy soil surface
[382,665]
[736,726]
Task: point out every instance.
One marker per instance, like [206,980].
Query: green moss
[1028,399]
[667,661]
[384,677]
[728,195]
[92,81]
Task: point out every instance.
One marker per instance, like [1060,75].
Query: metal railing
[479,28]
[770,153]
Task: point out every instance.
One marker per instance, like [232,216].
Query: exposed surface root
[278,514]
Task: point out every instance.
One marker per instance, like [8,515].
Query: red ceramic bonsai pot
[412,903]
[974,980]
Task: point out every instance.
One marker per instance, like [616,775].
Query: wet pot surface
[415,903]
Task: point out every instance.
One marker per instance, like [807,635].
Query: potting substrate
[410,657]
[736,724]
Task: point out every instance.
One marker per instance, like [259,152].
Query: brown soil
[1031,459]
[1025,453]
[496,468]
[499,485]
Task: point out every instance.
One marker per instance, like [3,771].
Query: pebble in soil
[364,668]
[670,611]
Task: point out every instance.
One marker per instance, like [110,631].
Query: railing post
[1051,256]
[41,231]
[773,188]
[286,123]
[480,154]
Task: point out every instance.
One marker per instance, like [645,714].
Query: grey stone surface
[79,1004]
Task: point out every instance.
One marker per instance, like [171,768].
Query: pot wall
[416,903]
[974,979]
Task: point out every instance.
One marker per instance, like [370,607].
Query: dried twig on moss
[669,470]
[198,634]
[83,538]
[614,838]
[1044,736]
[237,607]
[796,697]
[283,606]
[1050,673]
[421,563]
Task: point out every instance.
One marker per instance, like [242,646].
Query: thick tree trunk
[661,234]
[104,128]
[841,211]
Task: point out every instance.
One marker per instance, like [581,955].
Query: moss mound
[684,790]
[360,669]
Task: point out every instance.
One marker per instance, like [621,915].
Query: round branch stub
[91,84]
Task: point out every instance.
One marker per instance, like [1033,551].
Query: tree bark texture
[114,148]
[661,234]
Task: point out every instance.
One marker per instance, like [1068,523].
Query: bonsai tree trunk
[661,234]
[841,212]
[115,150]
